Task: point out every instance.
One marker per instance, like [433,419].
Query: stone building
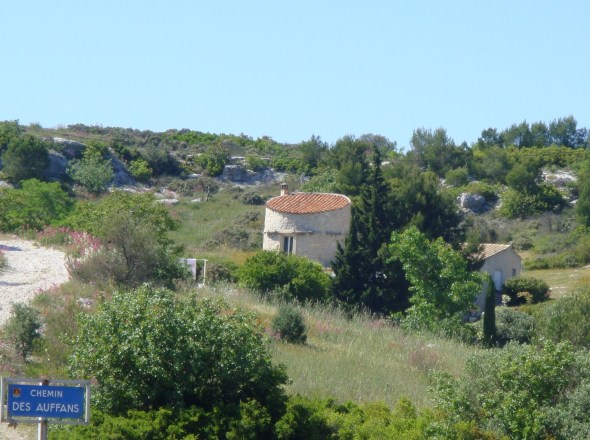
[306,224]
[502,262]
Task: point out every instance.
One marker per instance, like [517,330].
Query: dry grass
[562,281]
[362,359]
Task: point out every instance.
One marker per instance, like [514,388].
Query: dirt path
[30,269]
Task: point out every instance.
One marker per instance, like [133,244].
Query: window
[513,271]
[288,245]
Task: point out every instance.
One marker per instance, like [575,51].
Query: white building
[306,224]
[502,262]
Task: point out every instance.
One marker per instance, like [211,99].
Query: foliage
[567,319]
[35,205]
[256,163]
[294,165]
[190,186]
[516,204]
[583,203]
[8,131]
[362,276]
[22,328]
[520,288]
[92,172]
[349,157]
[417,199]
[514,325]
[289,325]
[147,349]
[324,181]
[26,157]
[94,217]
[437,151]
[298,277]
[457,177]
[489,316]
[133,229]
[251,198]
[527,382]
[443,287]
[213,161]
[140,170]
[132,255]
[161,161]
[3,260]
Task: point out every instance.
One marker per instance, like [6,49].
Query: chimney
[284,189]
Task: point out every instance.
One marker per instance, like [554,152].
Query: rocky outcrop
[66,150]
[472,202]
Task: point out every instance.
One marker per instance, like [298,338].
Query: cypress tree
[362,275]
[489,315]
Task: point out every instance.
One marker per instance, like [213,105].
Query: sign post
[58,401]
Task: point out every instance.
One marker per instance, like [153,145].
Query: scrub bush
[289,325]
[22,328]
[296,277]
[525,289]
[147,349]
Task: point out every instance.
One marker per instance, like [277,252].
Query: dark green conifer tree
[362,275]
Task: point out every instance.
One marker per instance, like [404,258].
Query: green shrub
[22,328]
[510,391]
[566,319]
[130,256]
[250,198]
[513,325]
[297,277]
[523,290]
[3,260]
[221,272]
[189,187]
[93,172]
[522,204]
[248,420]
[256,163]
[289,325]
[489,192]
[26,157]
[457,177]
[140,170]
[148,349]
[34,206]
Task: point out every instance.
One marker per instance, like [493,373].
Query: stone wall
[315,235]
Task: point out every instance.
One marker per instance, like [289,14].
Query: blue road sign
[45,401]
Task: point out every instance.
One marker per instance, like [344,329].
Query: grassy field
[562,281]
[362,359]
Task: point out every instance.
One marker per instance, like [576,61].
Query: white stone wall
[315,235]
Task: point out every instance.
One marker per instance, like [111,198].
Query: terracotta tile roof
[307,203]
[489,249]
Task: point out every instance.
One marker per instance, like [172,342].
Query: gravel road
[31,268]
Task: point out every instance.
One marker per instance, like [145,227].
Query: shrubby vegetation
[294,277]
[532,387]
[35,205]
[134,246]
[171,352]
[523,290]
[93,172]
[169,343]
[26,157]
[289,325]
[566,319]
[22,328]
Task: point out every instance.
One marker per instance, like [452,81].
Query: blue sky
[292,69]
